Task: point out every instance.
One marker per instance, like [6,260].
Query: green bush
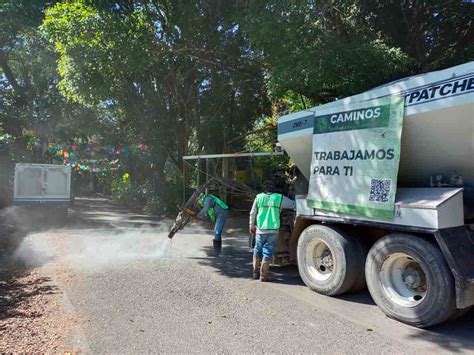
[143,195]
[122,190]
[167,202]
[154,205]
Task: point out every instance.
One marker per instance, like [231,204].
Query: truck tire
[410,281]
[329,261]
[363,249]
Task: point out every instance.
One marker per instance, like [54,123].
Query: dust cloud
[97,248]
[91,249]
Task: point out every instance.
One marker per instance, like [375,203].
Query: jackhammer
[188,211]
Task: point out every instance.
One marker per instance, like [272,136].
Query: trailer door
[56,182]
[29,182]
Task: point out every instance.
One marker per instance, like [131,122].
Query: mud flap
[457,245]
[300,224]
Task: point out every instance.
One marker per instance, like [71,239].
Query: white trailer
[418,266]
[42,185]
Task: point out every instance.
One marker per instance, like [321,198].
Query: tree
[329,49]
[29,99]
[178,73]
[322,50]
[435,34]
[17,20]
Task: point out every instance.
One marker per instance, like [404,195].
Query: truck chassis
[416,286]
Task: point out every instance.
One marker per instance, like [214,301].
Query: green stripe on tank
[351,209]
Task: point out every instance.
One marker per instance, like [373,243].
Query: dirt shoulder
[32,318]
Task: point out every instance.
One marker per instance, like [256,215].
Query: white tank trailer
[418,267]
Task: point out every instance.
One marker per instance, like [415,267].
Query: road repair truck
[390,195]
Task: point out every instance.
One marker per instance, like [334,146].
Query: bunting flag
[89,157]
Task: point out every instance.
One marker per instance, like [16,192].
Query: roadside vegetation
[122,90]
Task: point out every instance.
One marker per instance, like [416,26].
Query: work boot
[265,274]
[256,267]
[217,247]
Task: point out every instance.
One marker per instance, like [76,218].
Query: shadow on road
[101,213]
[362,297]
[235,265]
[17,288]
[86,213]
[455,336]
[236,262]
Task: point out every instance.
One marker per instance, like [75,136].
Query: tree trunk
[9,73]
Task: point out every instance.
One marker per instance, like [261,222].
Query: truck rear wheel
[410,281]
[329,261]
[363,247]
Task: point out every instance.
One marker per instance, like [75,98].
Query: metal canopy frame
[232,155]
[223,155]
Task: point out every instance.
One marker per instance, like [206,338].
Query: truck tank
[437,143]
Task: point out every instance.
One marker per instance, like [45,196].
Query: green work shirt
[209,207]
[268,206]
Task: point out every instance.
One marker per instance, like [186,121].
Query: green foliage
[331,49]
[122,190]
[126,193]
[264,136]
[204,76]
[177,85]
[164,73]
[29,98]
[165,203]
[263,139]
[5,140]
[322,50]
[435,34]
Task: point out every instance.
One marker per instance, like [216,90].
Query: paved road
[135,292]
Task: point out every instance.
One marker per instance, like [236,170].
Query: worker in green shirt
[265,222]
[217,211]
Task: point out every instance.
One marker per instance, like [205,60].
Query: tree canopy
[179,85]
[205,76]
[329,49]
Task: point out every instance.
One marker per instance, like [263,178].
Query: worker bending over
[217,211]
[265,222]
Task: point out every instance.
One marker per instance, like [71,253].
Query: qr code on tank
[379,190]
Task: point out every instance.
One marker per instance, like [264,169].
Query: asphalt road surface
[134,292]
